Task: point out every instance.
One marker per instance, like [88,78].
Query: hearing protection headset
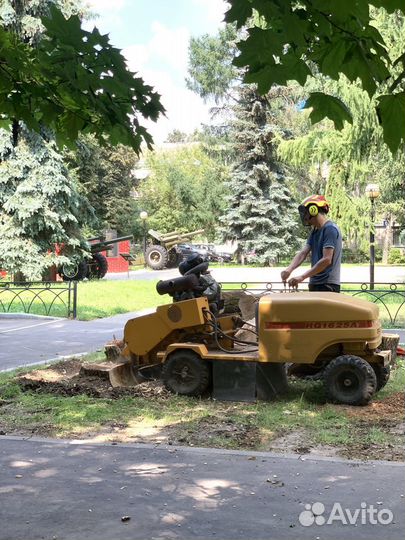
[311,206]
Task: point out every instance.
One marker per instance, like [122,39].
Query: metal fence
[390,297]
[51,298]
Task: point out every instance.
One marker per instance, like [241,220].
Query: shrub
[396,256]
[350,255]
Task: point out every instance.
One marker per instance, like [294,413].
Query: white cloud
[170,45]
[107,12]
[100,6]
[213,9]
[162,62]
[168,48]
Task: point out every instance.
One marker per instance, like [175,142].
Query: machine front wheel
[350,380]
[383,375]
[185,373]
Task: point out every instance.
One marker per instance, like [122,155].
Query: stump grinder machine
[195,349]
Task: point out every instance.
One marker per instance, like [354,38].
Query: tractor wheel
[382,374]
[174,259]
[98,266]
[349,380]
[156,257]
[73,272]
[185,373]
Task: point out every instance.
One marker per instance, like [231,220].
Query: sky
[154,37]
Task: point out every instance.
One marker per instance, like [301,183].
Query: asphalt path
[64,490]
[35,340]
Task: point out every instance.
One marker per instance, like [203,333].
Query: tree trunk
[387,243]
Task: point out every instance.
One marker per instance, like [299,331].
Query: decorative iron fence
[51,298]
[390,297]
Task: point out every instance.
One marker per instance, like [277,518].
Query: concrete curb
[30,316]
[202,450]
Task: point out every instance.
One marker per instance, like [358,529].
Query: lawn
[95,299]
[300,422]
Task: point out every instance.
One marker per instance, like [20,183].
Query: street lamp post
[372,192]
[144,216]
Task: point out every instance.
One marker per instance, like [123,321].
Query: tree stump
[390,342]
[113,349]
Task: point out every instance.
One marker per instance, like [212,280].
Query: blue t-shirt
[328,236]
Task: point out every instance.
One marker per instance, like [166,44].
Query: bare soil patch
[219,428]
[64,379]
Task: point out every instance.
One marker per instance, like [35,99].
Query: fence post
[74,310]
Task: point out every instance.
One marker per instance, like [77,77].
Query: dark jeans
[328,287]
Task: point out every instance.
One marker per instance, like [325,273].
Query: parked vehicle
[189,249]
[212,254]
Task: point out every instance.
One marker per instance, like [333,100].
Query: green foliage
[185,190]
[396,256]
[327,106]
[354,256]
[354,156]
[72,81]
[40,206]
[260,216]
[210,68]
[176,136]
[105,175]
[291,41]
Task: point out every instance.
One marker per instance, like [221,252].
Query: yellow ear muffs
[313,210]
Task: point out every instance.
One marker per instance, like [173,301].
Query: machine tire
[382,374]
[349,380]
[75,272]
[174,258]
[185,373]
[156,257]
[98,266]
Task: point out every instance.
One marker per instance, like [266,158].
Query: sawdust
[219,430]
[391,408]
[63,379]
[208,431]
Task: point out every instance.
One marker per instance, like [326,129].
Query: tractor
[196,349]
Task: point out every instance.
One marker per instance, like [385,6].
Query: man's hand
[285,274]
[293,282]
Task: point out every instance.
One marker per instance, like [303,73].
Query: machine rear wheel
[156,257]
[185,373]
[350,380]
[382,374]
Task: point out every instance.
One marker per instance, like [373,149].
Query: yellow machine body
[145,333]
[301,327]
[188,346]
[292,328]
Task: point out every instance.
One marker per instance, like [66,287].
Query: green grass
[97,299]
[303,411]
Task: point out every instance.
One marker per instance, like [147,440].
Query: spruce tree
[261,215]
[41,210]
